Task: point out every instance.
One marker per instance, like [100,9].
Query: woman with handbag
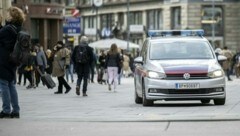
[61,61]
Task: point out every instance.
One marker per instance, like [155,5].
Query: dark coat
[7,41]
[89,50]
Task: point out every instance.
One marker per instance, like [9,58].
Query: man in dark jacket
[8,37]
[82,68]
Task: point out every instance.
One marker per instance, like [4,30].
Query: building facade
[219,18]
[43,20]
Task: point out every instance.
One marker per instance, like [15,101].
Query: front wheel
[219,101]
[145,101]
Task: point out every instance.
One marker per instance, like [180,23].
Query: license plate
[187,85]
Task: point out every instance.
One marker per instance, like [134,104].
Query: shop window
[176,18]
[154,19]
[212,17]
[135,18]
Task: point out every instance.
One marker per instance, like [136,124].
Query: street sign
[72,25]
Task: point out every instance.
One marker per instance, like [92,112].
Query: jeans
[82,73]
[69,71]
[9,96]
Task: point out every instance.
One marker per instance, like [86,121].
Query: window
[211,17]
[69,2]
[57,1]
[36,1]
[107,21]
[135,18]
[154,19]
[176,18]
[89,21]
[47,1]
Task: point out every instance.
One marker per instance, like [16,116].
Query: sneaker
[84,94]
[109,87]
[4,115]
[78,90]
[15,115]
[67,90]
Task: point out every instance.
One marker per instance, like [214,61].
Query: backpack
[21,51]
[82,55]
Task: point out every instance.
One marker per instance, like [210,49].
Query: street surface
[108,113]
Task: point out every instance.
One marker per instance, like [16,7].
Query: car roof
[176,38]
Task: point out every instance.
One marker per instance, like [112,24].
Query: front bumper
[166,89]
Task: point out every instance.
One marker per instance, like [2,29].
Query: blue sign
[72,25]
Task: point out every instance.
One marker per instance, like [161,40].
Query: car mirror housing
[221,58]
[138,60]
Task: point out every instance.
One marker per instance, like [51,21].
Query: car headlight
[156,75]
[215,74]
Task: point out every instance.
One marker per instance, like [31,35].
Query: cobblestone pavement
[102,105]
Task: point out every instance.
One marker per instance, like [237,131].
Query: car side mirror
[138,60]
[221,58]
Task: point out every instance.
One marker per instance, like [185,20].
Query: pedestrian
[112,64]
[8,37]
[1,21]
[92,67]
[102,60]
[126,67]
[41,62]
[82,58]
[120,71]
[237,63]
[49,61]
[61,61]
[69,71]
[227,64]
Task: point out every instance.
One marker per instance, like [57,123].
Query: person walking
[41,62]
[227,64]
[61,61]
[82,58]
[92,67]
[69,71]
[8,37]
[112,65]
[49,61]
[102,61]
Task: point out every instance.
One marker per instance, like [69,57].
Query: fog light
[219,89]
[152,90]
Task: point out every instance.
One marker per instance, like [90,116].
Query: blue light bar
[159,33]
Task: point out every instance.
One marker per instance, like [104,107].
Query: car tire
[138,100]
[205,101]
[144,99]
[219,101]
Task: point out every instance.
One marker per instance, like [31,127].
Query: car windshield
[181,50]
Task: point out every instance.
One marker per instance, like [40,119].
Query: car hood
[185,66]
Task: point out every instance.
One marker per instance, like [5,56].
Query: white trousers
[112,76]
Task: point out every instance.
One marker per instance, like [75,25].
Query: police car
[178,65]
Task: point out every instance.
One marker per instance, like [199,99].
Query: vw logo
[186,76]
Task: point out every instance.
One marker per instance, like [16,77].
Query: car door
[139,70]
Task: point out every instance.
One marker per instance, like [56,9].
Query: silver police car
[178,65]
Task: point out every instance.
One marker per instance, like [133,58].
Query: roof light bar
[158,33]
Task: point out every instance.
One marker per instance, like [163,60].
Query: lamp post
[97,4]
[213,23]
[128,33]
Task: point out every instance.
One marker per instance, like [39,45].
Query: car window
[181,50]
